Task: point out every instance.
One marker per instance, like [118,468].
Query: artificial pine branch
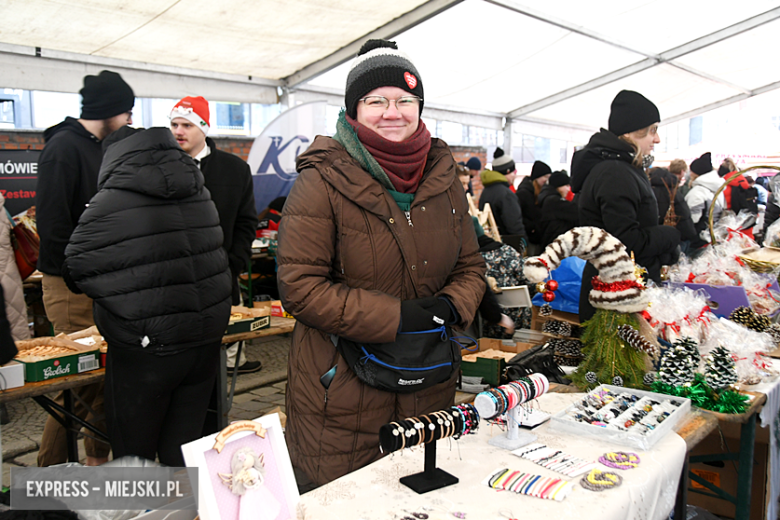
[605,352]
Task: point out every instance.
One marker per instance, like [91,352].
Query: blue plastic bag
[569,278]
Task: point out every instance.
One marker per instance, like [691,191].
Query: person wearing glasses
[614,192]
[375,239]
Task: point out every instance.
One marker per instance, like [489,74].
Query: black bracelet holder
[432,477]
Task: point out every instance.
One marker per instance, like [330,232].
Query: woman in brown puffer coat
[375,238]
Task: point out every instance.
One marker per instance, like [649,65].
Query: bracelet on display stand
[427,429]
[507,399]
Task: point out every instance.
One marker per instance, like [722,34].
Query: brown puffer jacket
[347,257]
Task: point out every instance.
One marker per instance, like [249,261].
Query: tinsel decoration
[557,328]
[606,354]
[720,372]
[774,331]
[649,378]
[617,381]
[678,365]
[632,336]
[545,310]
[747,317]
[702,396]
[591,378]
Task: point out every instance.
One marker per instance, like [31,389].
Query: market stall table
[375,493]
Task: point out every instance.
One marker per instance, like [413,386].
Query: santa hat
[615,288]
[193,109]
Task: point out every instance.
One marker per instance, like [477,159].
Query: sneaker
[247,368]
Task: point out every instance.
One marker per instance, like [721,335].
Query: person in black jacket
[503,203]
[229,180]
[614,192]
[528,196]
[148,251]
[67,180]
[559,209]
[664,184]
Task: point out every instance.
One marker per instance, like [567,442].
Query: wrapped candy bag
[675,313]
[772,238]
[730,226]
[748,349]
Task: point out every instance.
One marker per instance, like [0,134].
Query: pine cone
[617,381]
[545,310]
[649,378]
[774,331]
[557,328]
[632,336]
[591,378]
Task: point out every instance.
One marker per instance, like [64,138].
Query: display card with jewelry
[555,460]
[550,488]
[624,415]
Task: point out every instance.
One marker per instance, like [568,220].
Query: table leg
[745,471]
[222,408]
[70,434]
[681,503]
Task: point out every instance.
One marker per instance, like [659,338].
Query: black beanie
[702,165]
[502,163]
[539,169]
[474,164]
[105,95]
[379,63]
[558,179]
[631,111]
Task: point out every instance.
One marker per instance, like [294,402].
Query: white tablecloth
[374,492]
[770,417]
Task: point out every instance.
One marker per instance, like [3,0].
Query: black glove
[426,314]
[670,258]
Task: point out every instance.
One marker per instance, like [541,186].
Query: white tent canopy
[558,62]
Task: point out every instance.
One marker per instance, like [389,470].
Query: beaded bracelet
[620,460]
[600,480]
[550,488]
[554,460]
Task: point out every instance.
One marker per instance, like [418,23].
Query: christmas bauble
[552,285]
[548,296]
[541,287]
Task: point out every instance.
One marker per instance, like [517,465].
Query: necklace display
[620,460]
[598,480]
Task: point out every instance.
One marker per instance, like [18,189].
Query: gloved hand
[670,258]
[426,314]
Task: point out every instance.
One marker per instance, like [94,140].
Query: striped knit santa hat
[615,288]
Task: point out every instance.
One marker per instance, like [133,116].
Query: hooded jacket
[616,196]
[532,210]
[663,182]
[699,199]
[15,307]
[67,178]
[148,249]
[347,258]
[503,203]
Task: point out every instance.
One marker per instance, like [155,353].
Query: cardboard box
[491,369]
[724,473]
[259,318]
[537,321]
[61,366]
[12,375]
[277,309]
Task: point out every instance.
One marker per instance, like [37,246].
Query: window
[231,119]
[7,119]
[696,130]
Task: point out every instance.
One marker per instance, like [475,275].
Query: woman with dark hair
[375,239]
[614,192]
[665,185]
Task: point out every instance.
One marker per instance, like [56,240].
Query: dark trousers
[154,404]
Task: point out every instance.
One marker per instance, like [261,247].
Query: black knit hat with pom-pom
[502,163]
[379,63]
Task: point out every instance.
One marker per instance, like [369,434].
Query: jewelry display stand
[514,437]
[432,477]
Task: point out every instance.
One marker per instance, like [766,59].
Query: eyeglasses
[402,104]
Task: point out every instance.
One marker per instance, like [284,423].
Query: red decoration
[548,296]
[623,285]
[552,285]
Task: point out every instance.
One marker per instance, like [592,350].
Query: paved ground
[255,395]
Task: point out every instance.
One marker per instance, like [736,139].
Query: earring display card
[626,416]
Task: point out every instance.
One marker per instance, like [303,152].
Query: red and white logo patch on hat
[193,109]
[410,80]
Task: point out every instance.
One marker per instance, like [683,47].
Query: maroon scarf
[403,162]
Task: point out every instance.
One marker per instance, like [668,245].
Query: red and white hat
[193,109]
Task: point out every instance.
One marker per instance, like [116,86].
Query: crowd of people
[144,233]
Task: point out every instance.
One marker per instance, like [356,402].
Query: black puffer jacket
[148,249]
[558,214]
[615,196]
[532,210]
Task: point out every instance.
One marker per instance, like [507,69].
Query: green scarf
[346,137]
